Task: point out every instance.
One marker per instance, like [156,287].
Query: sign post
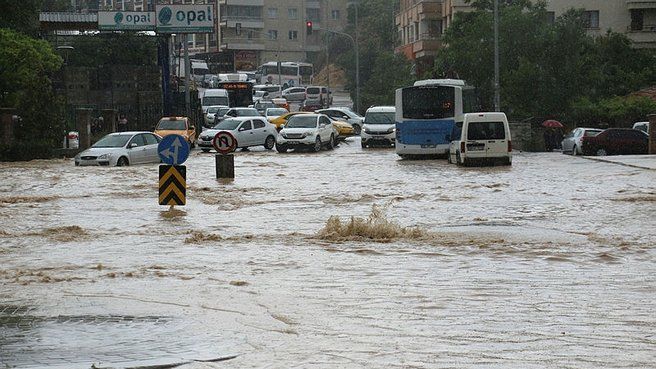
[225,143]
[173,150]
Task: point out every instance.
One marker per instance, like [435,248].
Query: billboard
[197,18]
[121,21]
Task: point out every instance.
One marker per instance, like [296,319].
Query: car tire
[448,158]
[356,129]
[601,152]
[281,148]
[363,144]
[331,142]
[269,142]
[574,152]
[122,162]
[317,144]
[459,159]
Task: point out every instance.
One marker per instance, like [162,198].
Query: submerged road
[348,258]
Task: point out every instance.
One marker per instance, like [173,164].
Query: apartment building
[420,23]
[257,31]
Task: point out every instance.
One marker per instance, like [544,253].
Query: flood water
[349,258]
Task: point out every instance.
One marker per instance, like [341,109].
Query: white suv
[306,131]
[379,126]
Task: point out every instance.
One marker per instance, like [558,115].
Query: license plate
[379,137]
[428,146]
[293,142]
[475,148]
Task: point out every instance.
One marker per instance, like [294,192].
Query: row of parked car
[612,141]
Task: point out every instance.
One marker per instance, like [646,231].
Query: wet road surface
[347,258]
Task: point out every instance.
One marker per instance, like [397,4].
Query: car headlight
[367,130]
[308,134]
[391,130]
[104,156]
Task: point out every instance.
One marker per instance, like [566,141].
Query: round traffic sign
[224,142]
[173,149]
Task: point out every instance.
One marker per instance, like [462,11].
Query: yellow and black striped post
[172,185]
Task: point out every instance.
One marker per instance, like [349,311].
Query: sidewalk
[635,161]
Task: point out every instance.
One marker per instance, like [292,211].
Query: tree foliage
[546,67]
[124,48]
[21,16]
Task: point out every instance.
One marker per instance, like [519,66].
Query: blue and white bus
[426,113]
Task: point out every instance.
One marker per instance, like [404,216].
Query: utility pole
[497,87]
[185,37]
[357,63]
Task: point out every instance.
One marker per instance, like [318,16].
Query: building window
[637,19]
[335,14]
[313,15]
[273,34]
[293,35]
[273,13]
[244,12]
[591,19]
[293,13]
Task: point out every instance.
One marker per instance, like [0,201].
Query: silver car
[573,142]
[294,94]
[121,149]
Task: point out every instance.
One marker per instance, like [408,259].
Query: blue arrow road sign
[173,149]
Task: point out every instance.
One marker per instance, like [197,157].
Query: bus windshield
[428,102]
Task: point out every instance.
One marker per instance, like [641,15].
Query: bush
[21,150]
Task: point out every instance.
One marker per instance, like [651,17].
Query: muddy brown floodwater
[346,258]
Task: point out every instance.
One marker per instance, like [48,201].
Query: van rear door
[487,139]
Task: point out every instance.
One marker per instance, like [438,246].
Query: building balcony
[424,9]
[246,22]
[644,38]
[641,4]
[426,45]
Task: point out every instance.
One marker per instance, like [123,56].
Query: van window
[486,131]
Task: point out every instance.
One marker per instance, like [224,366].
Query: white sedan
[121,149]
[248,131]
[311,131]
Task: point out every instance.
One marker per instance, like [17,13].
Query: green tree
[22,16]
[25,66]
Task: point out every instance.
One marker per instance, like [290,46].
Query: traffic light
[308,27]
[238,29]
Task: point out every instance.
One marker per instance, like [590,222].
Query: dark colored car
[311,105]
[616,141]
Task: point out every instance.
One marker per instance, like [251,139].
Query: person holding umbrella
[553,134]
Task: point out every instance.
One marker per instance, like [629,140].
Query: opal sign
[119,21]
[198,18]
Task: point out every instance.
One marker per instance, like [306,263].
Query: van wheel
[574,153]
[364,145]
[448,158]
[458,158]
[270,142]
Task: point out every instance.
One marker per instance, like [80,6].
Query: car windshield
[379,118]
[591,133]
[277,112]
[228,124]
[112,141]
[301,121]
[172,124]
[213,110]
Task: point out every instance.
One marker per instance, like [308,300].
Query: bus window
[431,102]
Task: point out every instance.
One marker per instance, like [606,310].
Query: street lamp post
[497,87]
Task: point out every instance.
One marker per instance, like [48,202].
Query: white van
[214,96]
[272,90]
[379,126]
[481,138]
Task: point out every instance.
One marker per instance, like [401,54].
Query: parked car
[212,112]
[273,113]
[379,127]
[617,141]
[643,126]
[311,131]
[249,131]
[573,141]
[346,115]
[121,149]
[177,125]
[481,138]
[282,120]
[260,95]
[343,129]
[294,93]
